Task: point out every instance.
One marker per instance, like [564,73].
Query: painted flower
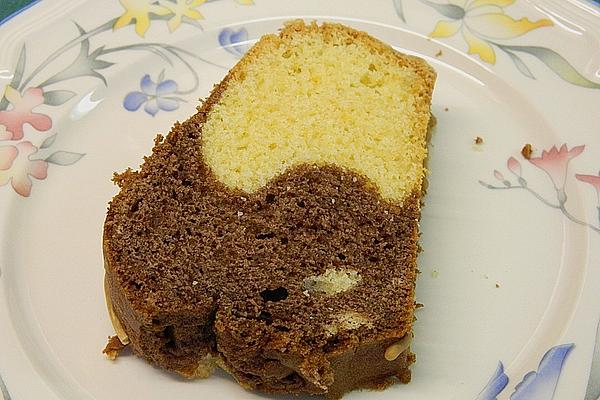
[514,166]
[481,20]
[154,96]
[495,385]
[555,163]
[180,9]
[17,167]
[235,42]
[4,134]
[541,384]
[139,10]
[593,180]
[22,113]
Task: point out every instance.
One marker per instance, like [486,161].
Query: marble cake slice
[275,232]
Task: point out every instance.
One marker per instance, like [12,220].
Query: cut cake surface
[274,233]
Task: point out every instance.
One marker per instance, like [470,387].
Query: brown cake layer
[196,271]
[190,264]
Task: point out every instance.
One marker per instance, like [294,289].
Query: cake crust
[200,274]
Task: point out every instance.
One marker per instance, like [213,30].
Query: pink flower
[592,180]
[498,175]
[555,163]
[514,166]
[16,167]
[7,156]
[21,113]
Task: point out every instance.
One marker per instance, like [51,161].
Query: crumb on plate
[526,151]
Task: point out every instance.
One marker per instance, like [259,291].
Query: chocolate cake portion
[302,284]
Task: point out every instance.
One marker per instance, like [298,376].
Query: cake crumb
[439,53]
[435,273]
[332,201]
[478,140]
[113,347]
[445,108]
[526,151]
[240,213]
[497,285]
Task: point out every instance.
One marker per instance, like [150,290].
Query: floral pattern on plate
[155,95]
[485,25]
[536,385]
[18,106]
[555,163]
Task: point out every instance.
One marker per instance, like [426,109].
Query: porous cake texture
[274,233]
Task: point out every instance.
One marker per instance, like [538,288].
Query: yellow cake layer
[324,94]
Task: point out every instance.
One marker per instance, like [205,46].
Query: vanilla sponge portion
[325,95]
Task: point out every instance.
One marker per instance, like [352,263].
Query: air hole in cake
[268,235]
[135,206]
[270,198]
[292,378]
[301,204]
[282,328]
[186,182]
[278,294]
[169,334]
[341,256]
[373,259]
[136,285]
[332,281]
[284,240]
[266,316]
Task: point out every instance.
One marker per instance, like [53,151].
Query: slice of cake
[274,233]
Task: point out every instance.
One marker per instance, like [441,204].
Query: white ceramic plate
[510,272]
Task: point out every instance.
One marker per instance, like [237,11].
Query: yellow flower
[139,10]
[479,20]
[180,9]
[246,2]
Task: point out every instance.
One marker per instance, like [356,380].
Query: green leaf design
[399,10]
[557,63]
[64,158]
[49,141]
[17,75]
[19,69]
[85,64]
[521,66]
[193,22]
[58,97]
[449,10]
[4,390]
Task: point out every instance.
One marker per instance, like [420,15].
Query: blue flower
[495,385]
[154,95]
[235,42]
[540,384]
